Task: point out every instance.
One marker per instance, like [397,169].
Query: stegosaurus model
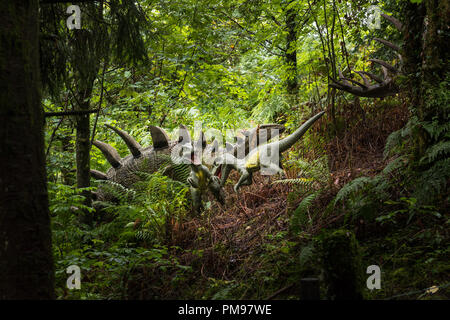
[180,163]
[125,171]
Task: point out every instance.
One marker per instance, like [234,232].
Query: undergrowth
[148,245]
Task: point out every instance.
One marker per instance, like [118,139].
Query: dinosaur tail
[290,140]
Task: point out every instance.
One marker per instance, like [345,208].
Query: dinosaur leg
[248,181]
[280,160]
[226,172]
[281,172]
[196,200]
[274,168]
[193,182]
[244,180]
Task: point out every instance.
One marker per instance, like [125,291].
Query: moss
[342,265]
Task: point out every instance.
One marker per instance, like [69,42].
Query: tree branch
[69,113]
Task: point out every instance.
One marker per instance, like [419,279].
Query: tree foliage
[231,65]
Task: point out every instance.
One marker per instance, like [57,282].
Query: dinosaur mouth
[218,172]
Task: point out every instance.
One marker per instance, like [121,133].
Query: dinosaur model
[258,158]
[179,161]
[125,171]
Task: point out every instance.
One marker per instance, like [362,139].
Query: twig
[53,136]
[279,291]
[68,113]
[99,104]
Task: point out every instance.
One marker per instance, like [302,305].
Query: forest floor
[245,250]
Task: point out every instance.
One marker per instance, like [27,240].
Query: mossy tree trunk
[85,73]
[342,265]
[26,261]
[68,175]
[426,63]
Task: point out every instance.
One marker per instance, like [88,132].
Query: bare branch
[372,76]
[385,86]
[366,81]
[394,21]
[385,64]
[387,43]
[379,90]
[68,113]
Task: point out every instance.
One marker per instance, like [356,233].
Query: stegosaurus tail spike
[98,175]
[184,135]
[160,137]
[397,24]
[132,144]
[214,146]
[109,152]
[201,142]
[229,147]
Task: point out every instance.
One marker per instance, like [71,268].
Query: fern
[433,181]
[267,109]
[439,149]
[299,215]
[300,181]
[394,165]
[181,172]
[381,185]
[107,231]
[118,191]
[143,235]
[395,139]
[436,130]
[352,187]
[314,173]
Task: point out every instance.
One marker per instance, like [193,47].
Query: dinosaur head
[216,189]
[201,180]
[233,156]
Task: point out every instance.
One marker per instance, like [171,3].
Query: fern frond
[118,191]
[181,172]
[352,187]
[439,149]
[394,165]
[300,181]
[435,129]
[311,172]
[143,235]
[433,181]
[394,140]
[298,216]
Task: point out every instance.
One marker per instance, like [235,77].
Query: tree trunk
[426,62]
[85,70]
[26,261]
[83,148]
[291,55]
[67,174]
